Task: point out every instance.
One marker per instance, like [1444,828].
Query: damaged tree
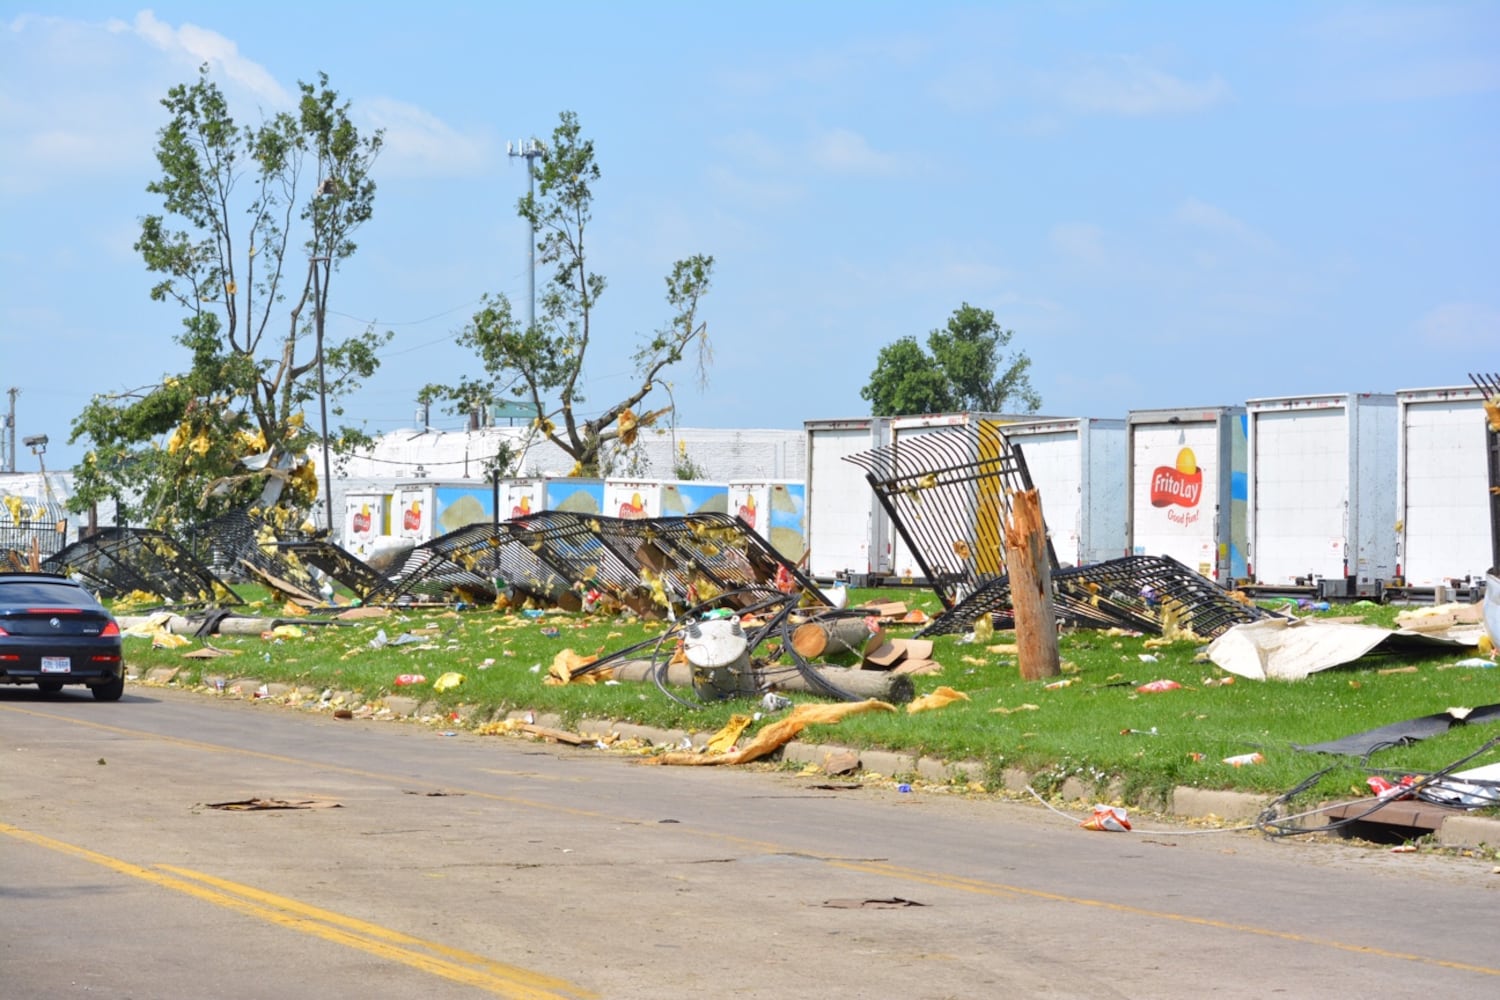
[267,215]
[542,364]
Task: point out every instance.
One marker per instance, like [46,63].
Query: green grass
[1097,727]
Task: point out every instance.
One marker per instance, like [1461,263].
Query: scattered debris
[1136,594]
[1110,819]
[448,681]
[889,903]
[940,697]
[1282,649]
[1244,759]
[248,805]
[779,733]
[1403,733]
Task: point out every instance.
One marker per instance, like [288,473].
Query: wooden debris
[1031,588]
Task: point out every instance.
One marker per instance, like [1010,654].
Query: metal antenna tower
[530,149]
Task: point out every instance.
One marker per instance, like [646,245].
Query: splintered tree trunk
[1031,588]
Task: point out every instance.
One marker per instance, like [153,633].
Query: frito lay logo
[635,507]
[412,516]
[362,520]
[747,511]
[1182,486]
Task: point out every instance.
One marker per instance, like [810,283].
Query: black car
[53,632]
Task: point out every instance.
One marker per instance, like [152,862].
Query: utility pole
[320,277]
[10,430]
[530,149]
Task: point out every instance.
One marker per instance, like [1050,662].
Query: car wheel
[110,690]
[49,686]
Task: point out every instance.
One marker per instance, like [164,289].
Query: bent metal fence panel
[556,557]
[119,562]
[241,540]
[949,495]
[1143,593]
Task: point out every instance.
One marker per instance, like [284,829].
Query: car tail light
[113,628]
[3,632]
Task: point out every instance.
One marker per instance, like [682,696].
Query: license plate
[56,665]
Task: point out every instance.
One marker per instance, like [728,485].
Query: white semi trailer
[1322,492]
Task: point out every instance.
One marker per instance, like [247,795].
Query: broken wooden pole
[879,684]
[232,625]
[833,637]
[1031,587]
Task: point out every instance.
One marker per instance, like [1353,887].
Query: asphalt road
[442,866]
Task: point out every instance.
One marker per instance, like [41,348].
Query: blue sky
[1171,204]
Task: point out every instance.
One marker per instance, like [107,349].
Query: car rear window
[44,594]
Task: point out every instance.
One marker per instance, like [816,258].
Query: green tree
[542,364]
[959,374]
[256,221]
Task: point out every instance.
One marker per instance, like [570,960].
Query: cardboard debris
[1440,617]
[209,653]
[361,613]
[918,668]
[841,762]
[889,611]
[893,651]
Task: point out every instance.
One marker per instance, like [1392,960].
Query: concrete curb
[1184,802]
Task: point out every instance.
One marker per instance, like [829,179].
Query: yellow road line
[427,956]
[938,879]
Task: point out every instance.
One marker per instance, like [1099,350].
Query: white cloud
[760,194]
[1081,241]
[1471,326]
[1405,52]
[1213,219]
[418,143]
[843,151]
[753,149]
[968,88]
[200,45]
[1125,85]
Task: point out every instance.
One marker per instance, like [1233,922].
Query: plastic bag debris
[723,740]
[448,681]
[406,680]
[773,702]
[1155,687]
[380,640]
[1111,819]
